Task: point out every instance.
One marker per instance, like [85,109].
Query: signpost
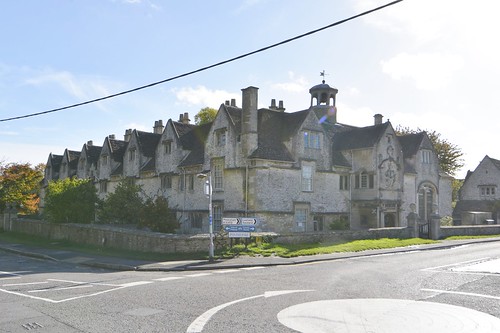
[239,227]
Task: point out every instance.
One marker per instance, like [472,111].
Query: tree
[449,154]
[157,216]
[123,206]
[19,185]
[71,200]
[205,115]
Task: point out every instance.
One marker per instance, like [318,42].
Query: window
[166,181]
[167,147]
[220,137]
[104,160]
[131,154]
[196,220]
[301,214]
[307,178]
[191,182]
[181,182]
[312,140]
[426,156]
[318,223]
[103,186]
[344,182]
[487,191]
[217,210]
[218,174]
[364,180]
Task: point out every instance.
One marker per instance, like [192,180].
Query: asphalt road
[451,290]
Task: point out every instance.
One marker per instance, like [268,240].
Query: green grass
[295,250]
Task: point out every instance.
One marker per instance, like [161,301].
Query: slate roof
[194,140]
[495,162]
[234,114]
[181,128]
[410,143]
[147,142]
[473,206]
[274,129]
[357,138]
[56,161]
[118,148]
[93,153]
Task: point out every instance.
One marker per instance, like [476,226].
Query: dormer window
[312,140]
[167,147]
[104,160]
[426,156]
[131,154]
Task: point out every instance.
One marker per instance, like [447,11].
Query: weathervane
[323,74]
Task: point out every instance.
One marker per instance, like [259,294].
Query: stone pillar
[412,220]
[435,227]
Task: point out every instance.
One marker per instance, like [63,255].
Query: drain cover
[31,326]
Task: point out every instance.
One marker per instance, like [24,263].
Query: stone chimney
[273,104]
[90,143]
[249,118]
[158,127]
[127,135]
[112,136]
[226,103]
[281,108]
[233,102]
[185,119]
[378,118]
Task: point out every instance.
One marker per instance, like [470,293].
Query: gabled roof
[495,162]
[92,152]
[234,114]
[118,148]
[55,161]
[357,138]
[147,142]
[410,143]
[194,141]
[181,128]
[274,129]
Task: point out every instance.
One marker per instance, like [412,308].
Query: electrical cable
[206,67]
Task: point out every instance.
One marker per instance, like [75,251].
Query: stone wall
[470,230]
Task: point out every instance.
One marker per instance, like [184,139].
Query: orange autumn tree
[20,185]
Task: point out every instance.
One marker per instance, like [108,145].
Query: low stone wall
[470,230]
[112,237]
[347,235]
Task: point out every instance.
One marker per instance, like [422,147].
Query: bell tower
[323,98]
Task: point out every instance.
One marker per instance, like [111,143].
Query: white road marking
[199,323]
[456,264]
[224,271]
[23,284]
[252,268]
[460,293]
[62,288]
[170,278]
[133,284]
[198,275]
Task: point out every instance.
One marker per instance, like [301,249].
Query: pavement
[123,264]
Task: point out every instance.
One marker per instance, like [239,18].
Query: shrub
[341,223]
[71,201]
[157,216]
[123,206]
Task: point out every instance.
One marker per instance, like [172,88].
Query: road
[452,290]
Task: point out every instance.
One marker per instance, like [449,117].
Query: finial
[323,74]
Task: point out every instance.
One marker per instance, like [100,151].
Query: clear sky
[429,64]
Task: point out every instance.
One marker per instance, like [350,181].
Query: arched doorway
[427,201]
[389,220]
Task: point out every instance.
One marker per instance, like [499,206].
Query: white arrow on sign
[198,324]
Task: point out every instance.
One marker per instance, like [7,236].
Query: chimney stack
[185,119]
[233,102]
[281,108]
[378,119]
[127,135]
[158,127]
[273,104]
[226,103]
[249,118]
[90,143]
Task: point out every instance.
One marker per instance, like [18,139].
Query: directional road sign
[230,220]
[248,220]
[239,228]
[239,235]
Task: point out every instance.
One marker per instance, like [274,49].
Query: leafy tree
[157,216]
[71,200]
[19,184]
[123,206]
[449,154]
[205,115]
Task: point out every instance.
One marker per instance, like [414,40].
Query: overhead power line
[204,68]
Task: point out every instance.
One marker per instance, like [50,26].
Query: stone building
[295,171]
[478,197]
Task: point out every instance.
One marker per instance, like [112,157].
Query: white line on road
[224,271]
[252,268]
[198,275]
[22,284]
[170,278]
[460,293]
[199,323]
[138,283]
[63,288]
[456,264]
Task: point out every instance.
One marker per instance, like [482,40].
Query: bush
[341,223]
[123,206]
[157,216]
[71,201]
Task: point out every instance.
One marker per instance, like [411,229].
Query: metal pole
[210,220]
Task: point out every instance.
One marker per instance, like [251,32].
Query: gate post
[435,227]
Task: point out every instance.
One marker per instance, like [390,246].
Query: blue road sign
[239,228]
